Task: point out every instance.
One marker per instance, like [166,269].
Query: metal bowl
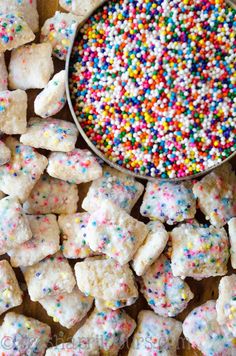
[100,154]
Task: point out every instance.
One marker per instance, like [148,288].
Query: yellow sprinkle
[65,42]
[28,325]
[109,304]
[190,245]
[6,293]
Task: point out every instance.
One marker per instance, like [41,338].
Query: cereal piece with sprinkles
[20,174]
[204,333]
[107,281]
[53,97]
[121,189]
[5,153]
[168,202]
[14,32]
[199,251]
[107,330]
[77,166]
[67,308]
[11,294]
[216,194]
[52,196]
[45,241]
[226,303]
[114,232]
[27,9]
[22,335]
[232,238]
[59,31]
[155,335]
[15,228]
[13,108]
[49,277]
[151,248]
[31,66]
[68,349]
[4,73]
[74,234]
[82,8]
[166,295]
[50,134]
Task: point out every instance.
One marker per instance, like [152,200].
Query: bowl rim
[98,152]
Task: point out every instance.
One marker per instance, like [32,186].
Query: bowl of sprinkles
[152,85]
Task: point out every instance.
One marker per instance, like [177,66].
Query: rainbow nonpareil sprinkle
[153,84]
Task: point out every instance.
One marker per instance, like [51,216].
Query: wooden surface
[203,290]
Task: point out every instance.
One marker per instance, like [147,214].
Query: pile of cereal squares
[115,257]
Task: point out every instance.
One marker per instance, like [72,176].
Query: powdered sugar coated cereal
[11,295]
[14,32]
[168,202]
[5,153]
[106,330]
[49,277]
[27,9]
[52,196]
[77,166]
[121,189]
[155,335]
[14,226]
[204,333]
[53,97]
[166,295]
[45,241]
[216,194]
[107,281]
[59,31]
[151,247]
[31,66]
[13,107]
[50,134]
[114,232]
[20,174]
[225,304]
[67,308]
[20,330]
[74,234]
[199,251]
